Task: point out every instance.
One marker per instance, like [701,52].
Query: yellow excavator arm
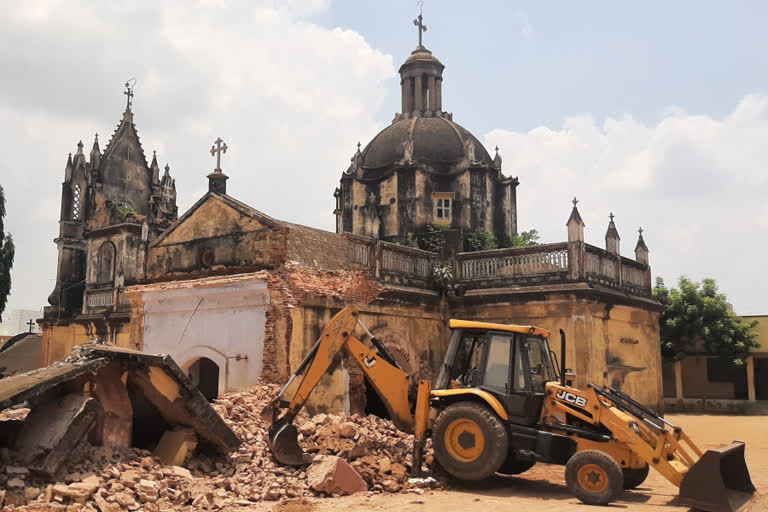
[383,373]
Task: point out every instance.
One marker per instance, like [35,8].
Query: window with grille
[76,203]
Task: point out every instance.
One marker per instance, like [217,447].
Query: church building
[424,169]
[234,295]
[112,205]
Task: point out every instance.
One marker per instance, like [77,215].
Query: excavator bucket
[719,481]
[284,443]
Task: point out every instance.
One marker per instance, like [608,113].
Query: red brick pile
[352,454]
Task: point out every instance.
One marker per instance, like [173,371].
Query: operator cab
[512,362]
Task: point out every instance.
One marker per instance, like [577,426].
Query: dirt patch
[294,506]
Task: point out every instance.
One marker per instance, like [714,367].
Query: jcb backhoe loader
[500,406]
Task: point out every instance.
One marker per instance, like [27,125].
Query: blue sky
[655,111]
[525,64]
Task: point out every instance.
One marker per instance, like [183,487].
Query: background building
[707,383]
[234,295]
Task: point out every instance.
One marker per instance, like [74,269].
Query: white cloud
[290,98]
[697,185]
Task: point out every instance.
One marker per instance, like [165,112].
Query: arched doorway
[363,398]
[204,374]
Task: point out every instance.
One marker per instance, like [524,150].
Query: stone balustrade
[546,264]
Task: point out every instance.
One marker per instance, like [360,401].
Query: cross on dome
[421,26]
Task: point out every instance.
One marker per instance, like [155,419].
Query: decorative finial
[167,168]
[80,144]
[358,145]
[154,153]
[575,201]
[97,137]
[640,230]
[611,216]
[219,147]
[418,22]
[129,93]
[497,148]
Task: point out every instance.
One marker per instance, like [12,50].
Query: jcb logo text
[570,397]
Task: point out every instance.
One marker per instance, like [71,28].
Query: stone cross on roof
[219,147]
[422,27]
[129,93]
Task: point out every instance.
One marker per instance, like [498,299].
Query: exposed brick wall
[317,249]
[293,286]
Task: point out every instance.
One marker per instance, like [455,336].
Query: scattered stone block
[334,475]
[174,446]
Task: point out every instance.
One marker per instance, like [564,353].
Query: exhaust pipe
[719,481]
[562,357]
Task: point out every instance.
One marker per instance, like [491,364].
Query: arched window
[76,203]
[106,264]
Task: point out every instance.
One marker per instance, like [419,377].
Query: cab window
[539,363]
[469,359]
[497,364]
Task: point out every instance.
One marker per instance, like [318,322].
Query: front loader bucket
[284,444]
[719,481]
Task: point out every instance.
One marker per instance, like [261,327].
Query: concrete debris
[333,475]
[352,453]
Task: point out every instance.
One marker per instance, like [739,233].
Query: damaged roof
[158,377]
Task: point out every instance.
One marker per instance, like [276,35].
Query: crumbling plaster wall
[59,340]
[221,318]
[215,236]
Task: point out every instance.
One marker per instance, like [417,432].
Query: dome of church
[437,141]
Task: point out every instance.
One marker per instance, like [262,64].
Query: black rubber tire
[611,469]
[635,476]
[513,466]
[495,449]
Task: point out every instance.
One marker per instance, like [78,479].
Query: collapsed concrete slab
[118,398]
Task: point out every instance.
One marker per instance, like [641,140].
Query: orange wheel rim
[593,478]
[464,440]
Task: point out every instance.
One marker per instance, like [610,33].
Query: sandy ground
[543,487]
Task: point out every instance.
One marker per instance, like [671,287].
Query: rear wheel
[513,466]
[634,476]
[594,477]
[470,441]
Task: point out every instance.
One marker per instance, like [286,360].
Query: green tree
[697,316]
[479,240]
[524,239]
[7,251]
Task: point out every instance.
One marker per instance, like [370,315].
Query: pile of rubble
[352,454]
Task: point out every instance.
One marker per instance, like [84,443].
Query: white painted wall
[219,322]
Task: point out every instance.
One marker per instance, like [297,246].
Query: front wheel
[594,477]
[470,441]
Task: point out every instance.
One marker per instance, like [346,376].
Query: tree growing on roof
[698,317]
[7,251]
